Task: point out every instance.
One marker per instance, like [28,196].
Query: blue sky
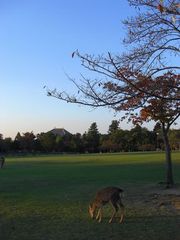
[36,43]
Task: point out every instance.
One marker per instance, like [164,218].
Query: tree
[113,127]
[142,139]
[93,138]
[7,145]
[115,137]
[152,40]
[174,139]
[152,35]
[59,143]
[164,112]
[77,143]
[28,141]
[140,79]
[47,141]
[18,142]
[1,142]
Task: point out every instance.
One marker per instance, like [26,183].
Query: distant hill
[60,132]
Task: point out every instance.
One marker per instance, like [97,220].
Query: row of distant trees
[116,140]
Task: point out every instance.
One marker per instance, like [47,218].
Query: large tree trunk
[169,171]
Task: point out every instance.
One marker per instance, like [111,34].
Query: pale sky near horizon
[36,43]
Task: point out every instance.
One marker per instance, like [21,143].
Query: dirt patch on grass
[155,198]
[166,198]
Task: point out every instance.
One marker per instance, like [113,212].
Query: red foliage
[145,90]
[160,8]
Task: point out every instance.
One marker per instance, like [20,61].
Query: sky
[37,38]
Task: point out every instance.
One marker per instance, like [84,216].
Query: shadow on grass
[56,228]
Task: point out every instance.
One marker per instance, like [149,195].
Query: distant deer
[2,161]
[104,196]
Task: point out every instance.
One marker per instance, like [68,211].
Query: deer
[2,160]
[107,195]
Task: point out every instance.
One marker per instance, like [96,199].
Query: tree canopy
[144,81]
[153,36]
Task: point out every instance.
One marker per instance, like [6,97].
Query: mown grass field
[46,197]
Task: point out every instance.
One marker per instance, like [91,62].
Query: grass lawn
[47,197]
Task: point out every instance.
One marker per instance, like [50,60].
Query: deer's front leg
[99,215]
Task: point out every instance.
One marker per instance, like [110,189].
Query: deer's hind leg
[122,210]
[115,209]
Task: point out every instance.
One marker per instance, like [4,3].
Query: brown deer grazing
[103,196]
[2,160]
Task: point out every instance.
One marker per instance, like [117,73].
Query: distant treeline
[116,140]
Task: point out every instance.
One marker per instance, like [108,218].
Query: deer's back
[106,194]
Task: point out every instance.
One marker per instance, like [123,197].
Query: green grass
[46,197]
